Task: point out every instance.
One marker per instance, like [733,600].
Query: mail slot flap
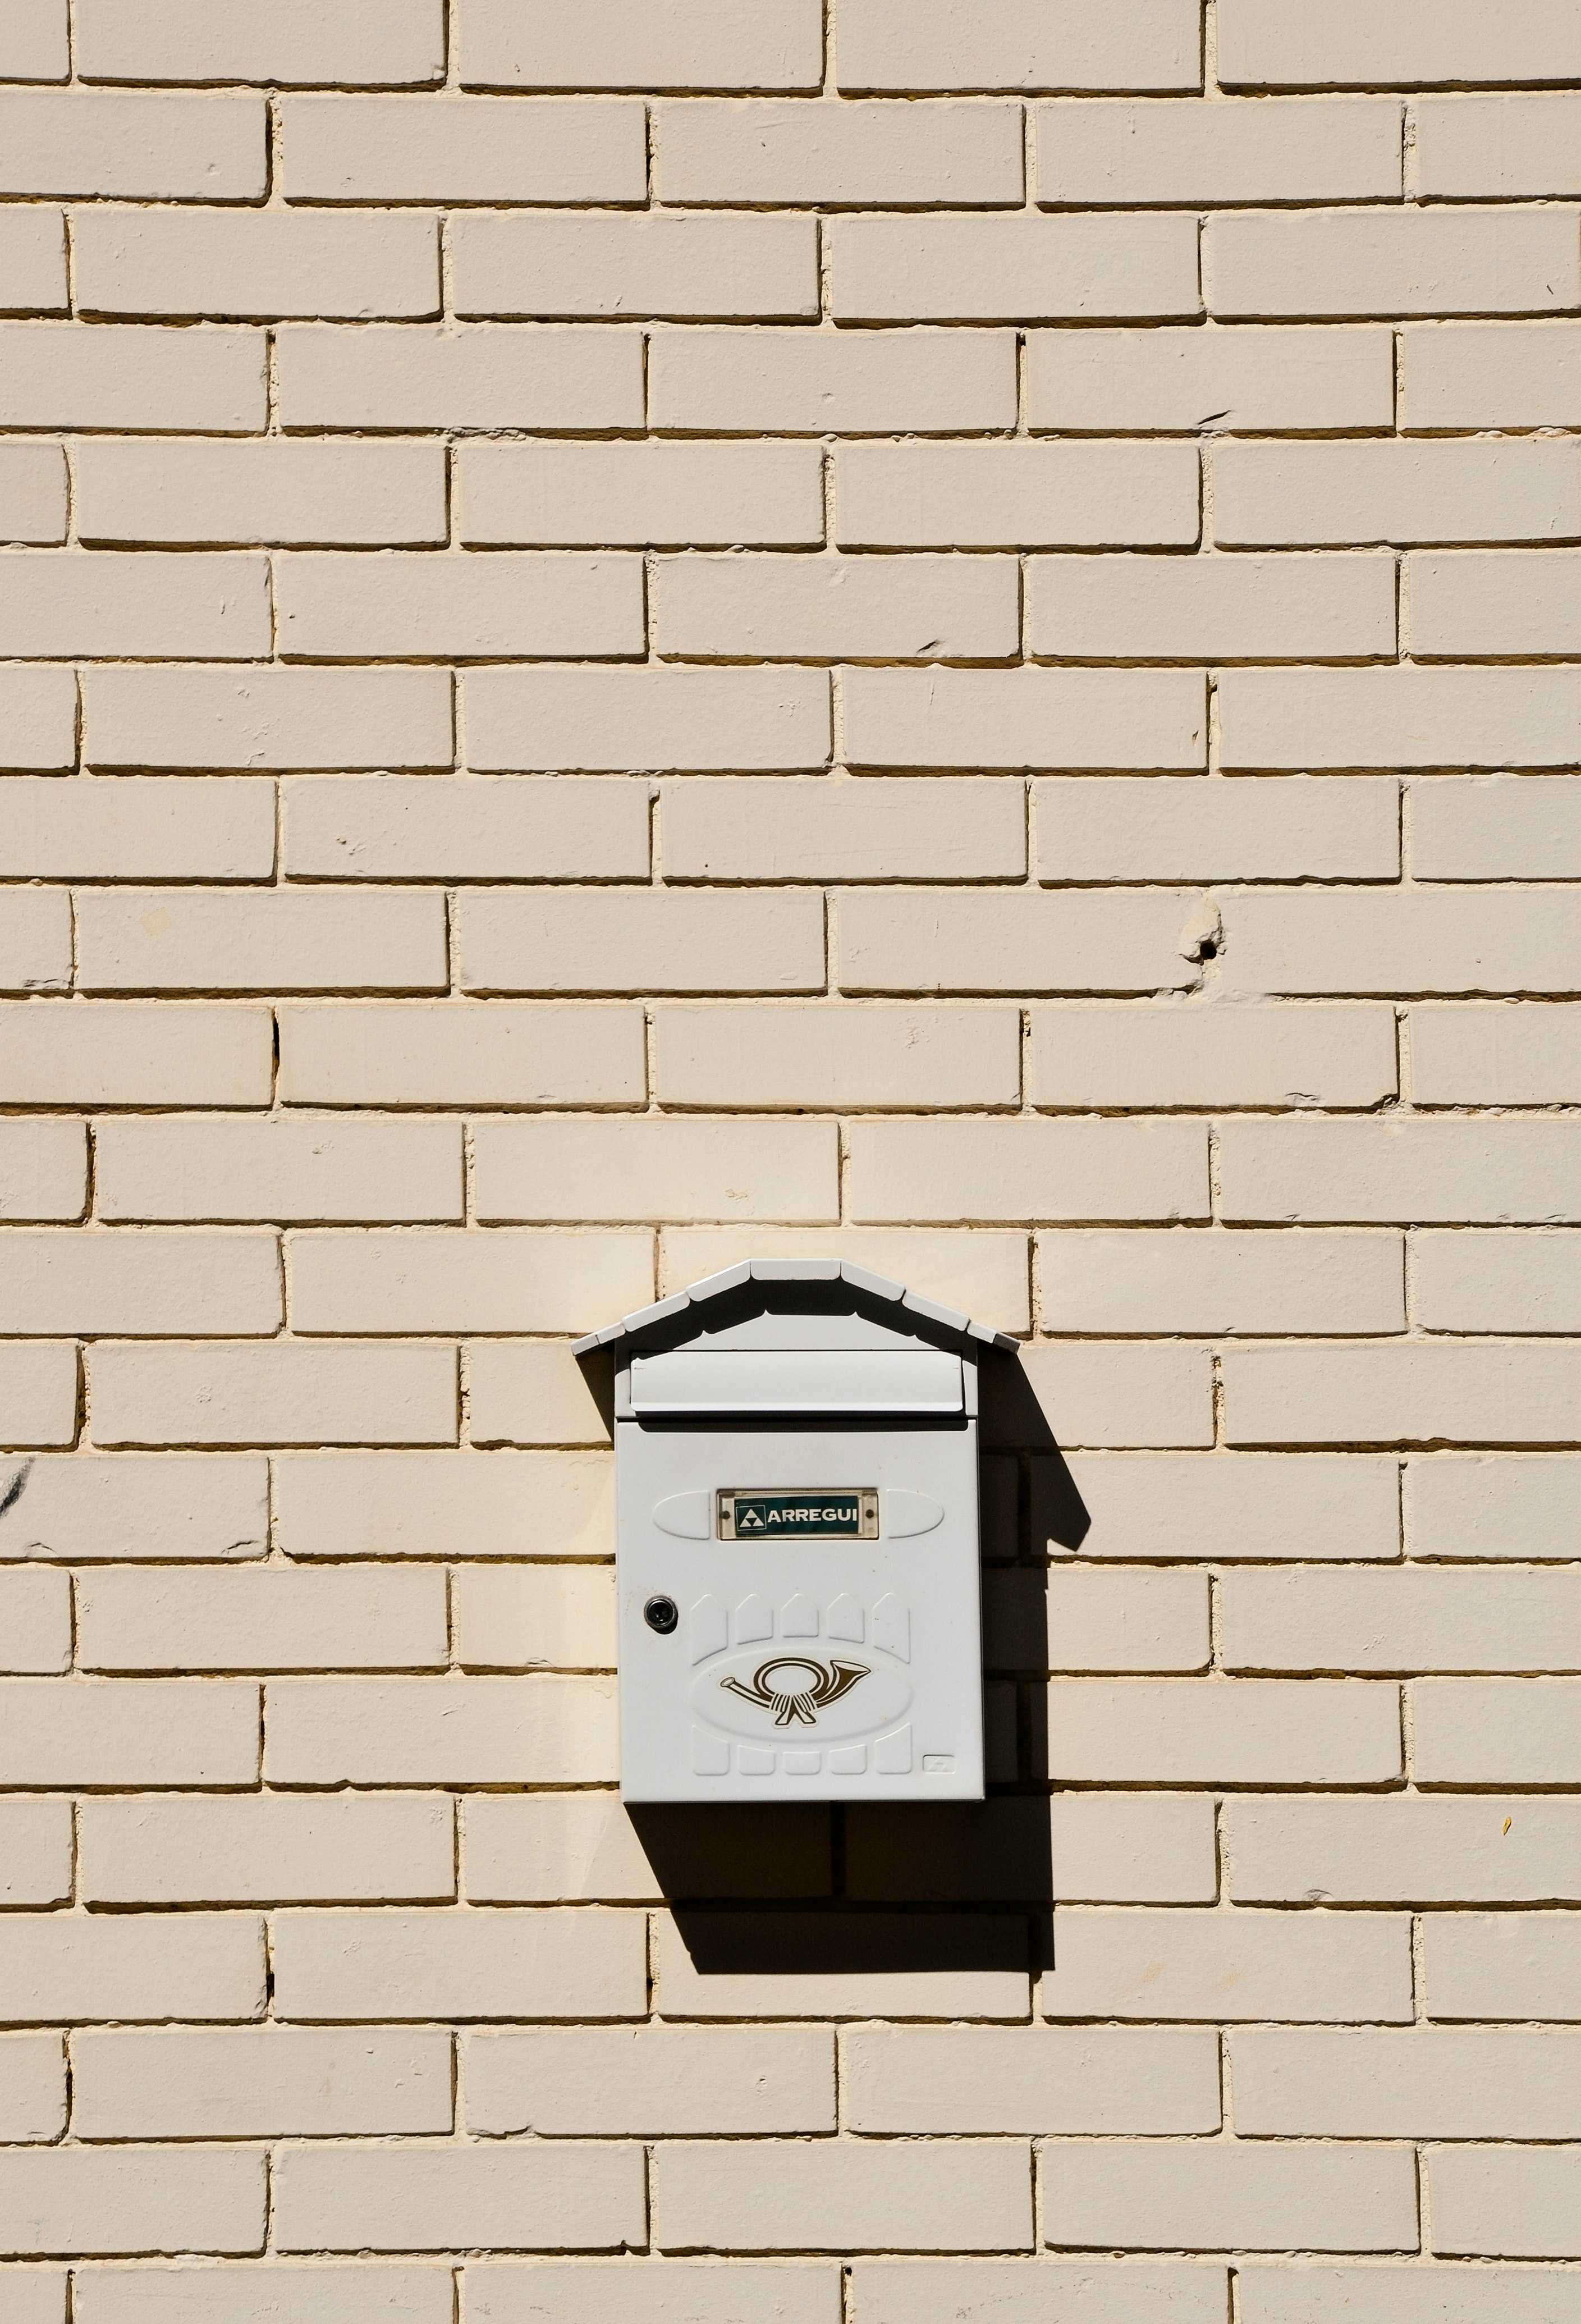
[797,1379]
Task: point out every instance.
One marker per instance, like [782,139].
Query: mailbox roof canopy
[689,1306]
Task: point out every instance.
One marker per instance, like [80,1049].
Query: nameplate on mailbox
[838,1512]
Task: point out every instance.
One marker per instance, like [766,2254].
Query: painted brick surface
[630,635]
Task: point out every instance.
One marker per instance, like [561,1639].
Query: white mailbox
[796,1486]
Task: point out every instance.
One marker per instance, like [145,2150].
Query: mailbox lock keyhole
[661,1614]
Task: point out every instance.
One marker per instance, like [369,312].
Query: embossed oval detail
[800,1695]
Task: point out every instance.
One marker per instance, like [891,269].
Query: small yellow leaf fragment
[1508,1821]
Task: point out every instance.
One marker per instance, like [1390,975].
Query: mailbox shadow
[895,1888]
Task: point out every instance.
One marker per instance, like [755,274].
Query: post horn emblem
[796,1688]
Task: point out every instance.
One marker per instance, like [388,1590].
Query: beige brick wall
[640,632]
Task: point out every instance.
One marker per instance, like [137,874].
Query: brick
[254,265]
[463,378]
[817,828]
[1501,1965]
[135,829]
[453,1053]
[123,1053]
[1213,1731]
[1026,1169]
[1424,1618]
[268,1849]
[1025,718]
[935,941]
[83,1507]
[35,940]
[69,375]
[1497,1054]
[632,494]
[656,2081]
[1186,829]
[1404,489]
[1498,1282]
[1428,1851]
[34,45]
[1077,2291]
[1212,608]
[546,1847]
[658,263]
[586,2197]
[1468,1505]
[835,608]
[820,1056]
[32,2087]
[148,939]
[196,1166]
[1212,1282]
[1504,145]
[35,1851]
[145,1733]
[139,1284]
[714,44]
[992,270]
[866,1965]
[1142,1846]
[268,490]
[1501,1730]
[83,1966]
[466,1282]
[808,383]
[1416,43]
[1130,1054]
[266,1618]
[1093,1394]
[1414,2293]
[1277,149]
[299,41]
[230,1392]
[43,1165]
[613,720]
[177,717]
[1399,940]
[1389,261]
[1511,1394]
[1512,2200]
[1477,828]
[70,604]
[466,1965]
[1412,1169]
[258,2082]
[1245,1505]
[1284,376]
[1009,44]
[347,607]
[1229,1965]
[450,1730]
[1439,2083]
[362,2294]
[32,262]
[137,2199]
[1213,2194]
[39,708]
[1483,374]
[534,1618]
[434,1505]
[1507,602]
[983,1273]
[1072,1619]
[39,1393]
[461,149]
[916,2079]
[644,2291]
[135,147]
[998,495]
[763,2194]
[493,827]
[712,150]
[640,1170]
[32,489]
